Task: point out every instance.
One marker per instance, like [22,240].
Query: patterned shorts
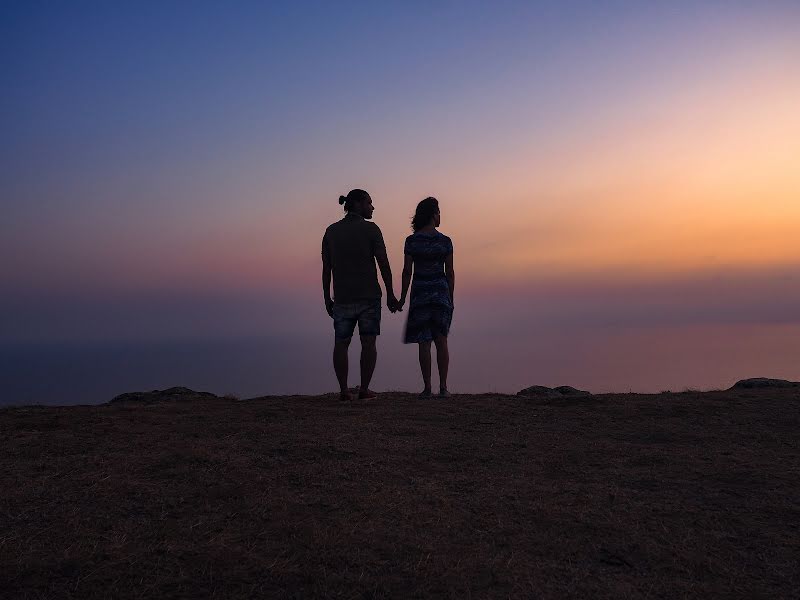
[367,313]
[427,322]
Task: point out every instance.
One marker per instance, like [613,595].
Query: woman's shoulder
[445,240]
[426,238]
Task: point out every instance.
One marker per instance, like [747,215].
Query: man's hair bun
[353,196]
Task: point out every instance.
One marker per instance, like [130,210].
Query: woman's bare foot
[367,395]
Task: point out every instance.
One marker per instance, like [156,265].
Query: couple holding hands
[350,249]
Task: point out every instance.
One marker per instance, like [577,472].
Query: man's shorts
[367,313]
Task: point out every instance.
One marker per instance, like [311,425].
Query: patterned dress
[430,310]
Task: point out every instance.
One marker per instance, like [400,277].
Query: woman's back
[429,249]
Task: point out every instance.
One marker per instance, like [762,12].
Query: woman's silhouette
[429,256]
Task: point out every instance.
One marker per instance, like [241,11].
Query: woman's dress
[430,309]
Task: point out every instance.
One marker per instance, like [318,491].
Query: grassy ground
[672,495]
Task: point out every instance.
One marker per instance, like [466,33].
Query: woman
[429,256]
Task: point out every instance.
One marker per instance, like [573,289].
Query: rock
[764,382]
[539,390]
[173,394]
[566,390]
[561,391]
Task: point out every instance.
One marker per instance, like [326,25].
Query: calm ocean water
[91,373]
[599,359]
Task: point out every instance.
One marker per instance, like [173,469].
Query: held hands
[398,304]
[392,304]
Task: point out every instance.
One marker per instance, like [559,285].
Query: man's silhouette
[350,248]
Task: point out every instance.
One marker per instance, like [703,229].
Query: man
[350,249]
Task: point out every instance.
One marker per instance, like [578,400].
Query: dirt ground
[643,496]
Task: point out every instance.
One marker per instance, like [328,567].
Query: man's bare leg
[442,361]
[340,348]
[425,365]
[369,356]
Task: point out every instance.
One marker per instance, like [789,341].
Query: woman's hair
[425,211]
[353,196]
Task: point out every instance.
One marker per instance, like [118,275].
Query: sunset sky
[621,175]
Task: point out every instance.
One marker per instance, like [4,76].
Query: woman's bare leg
[425,364]
[442,360]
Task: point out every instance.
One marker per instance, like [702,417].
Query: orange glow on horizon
[710,182]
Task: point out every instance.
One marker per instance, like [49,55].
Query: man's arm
[386,274]
[379,251]
[326,277]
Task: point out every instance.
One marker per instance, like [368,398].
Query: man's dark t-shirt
[350,245]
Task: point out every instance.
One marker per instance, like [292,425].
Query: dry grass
[669,495]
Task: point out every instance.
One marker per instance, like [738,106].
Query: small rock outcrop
[173,394]
[764,382]
[562,391]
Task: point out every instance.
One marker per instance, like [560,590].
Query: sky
[613,175]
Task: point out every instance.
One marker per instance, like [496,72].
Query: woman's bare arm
[451,276]
[408,268]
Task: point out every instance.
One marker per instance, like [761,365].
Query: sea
[598,359]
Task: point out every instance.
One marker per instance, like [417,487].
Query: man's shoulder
[348,227]
[334,226]
[372,229]
[371,225]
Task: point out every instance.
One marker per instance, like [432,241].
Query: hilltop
[184,494]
